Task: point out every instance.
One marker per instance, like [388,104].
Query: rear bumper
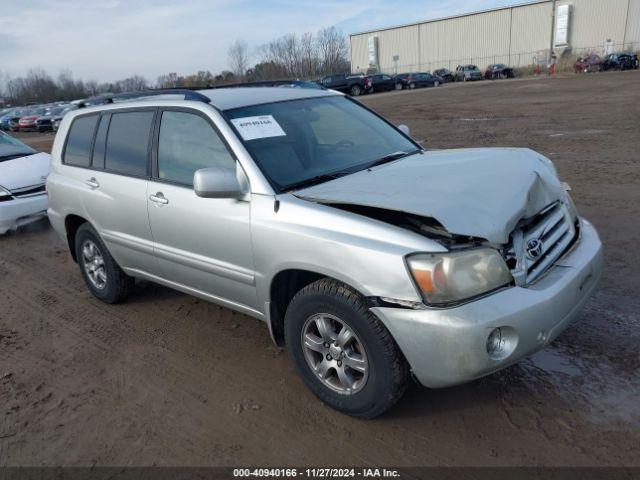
[21,211]
[448,346]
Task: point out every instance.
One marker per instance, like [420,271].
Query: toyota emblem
[534,248]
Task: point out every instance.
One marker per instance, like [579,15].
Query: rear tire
[355,90]
[314,333]
[412,86]
[102,275]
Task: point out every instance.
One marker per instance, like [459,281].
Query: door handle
[159,198]
[92,182]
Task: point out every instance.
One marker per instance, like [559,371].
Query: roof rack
[269,83]
[108,98]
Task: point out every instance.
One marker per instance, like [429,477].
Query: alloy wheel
[93,263]
[335,354]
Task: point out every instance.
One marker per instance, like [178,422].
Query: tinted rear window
[128,142]
[78,149]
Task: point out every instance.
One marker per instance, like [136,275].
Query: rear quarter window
[78,149]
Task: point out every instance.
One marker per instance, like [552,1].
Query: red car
[592,63]
[28,121]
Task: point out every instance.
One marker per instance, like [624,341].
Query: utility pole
[553,26]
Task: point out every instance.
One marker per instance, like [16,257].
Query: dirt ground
[167,379]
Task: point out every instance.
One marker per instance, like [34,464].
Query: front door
[203,244]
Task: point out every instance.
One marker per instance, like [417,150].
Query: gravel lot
[167,379]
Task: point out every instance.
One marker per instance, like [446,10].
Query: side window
[78,149]
[188,143]
[100,143]
[128,142]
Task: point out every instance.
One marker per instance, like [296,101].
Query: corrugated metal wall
[512,35]
[633,23]
[595,21]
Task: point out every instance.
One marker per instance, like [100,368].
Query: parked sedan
[592,63]
[620,61]
[44,123]
[14,117]
[498,70]
[423,79]
[382,83]
[445,74]
[5,119]
[27,122]
[466,73]
[23,171]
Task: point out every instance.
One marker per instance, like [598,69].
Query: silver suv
[369,257]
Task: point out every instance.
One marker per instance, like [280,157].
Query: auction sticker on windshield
[263,126]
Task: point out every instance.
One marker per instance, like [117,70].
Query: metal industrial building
[518,35]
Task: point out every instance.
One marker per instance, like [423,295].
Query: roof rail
[270,83]
[108,98]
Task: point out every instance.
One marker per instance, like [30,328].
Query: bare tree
[309,61]
[333,50]
[239,58]
[306,56]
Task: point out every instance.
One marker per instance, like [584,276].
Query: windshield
[12,148]
[295,142]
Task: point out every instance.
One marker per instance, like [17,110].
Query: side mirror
[404,129]
[217,182]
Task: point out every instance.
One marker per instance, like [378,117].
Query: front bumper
[21,211]
[448,346]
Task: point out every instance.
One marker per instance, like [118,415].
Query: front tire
[102,275]
[412,86]
[343,353]
[355,90]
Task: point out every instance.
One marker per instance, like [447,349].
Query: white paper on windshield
[263,126]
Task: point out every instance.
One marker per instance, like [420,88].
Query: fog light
[495,343]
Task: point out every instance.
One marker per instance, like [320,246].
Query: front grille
[539,243]
[29,191]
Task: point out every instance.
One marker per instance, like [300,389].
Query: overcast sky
[112,39]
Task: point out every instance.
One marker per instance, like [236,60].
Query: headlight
[446,278]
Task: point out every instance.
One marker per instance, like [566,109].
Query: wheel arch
[283,287]
[72,223]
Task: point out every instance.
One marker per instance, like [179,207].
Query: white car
[23,171]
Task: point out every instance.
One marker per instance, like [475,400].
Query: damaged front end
[426,226]
[534,246]
[539,242]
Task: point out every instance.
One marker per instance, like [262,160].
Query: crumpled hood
[481,192]
[25,171]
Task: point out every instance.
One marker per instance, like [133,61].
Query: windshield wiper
[392,156]
[314,181]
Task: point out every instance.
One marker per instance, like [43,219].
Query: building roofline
[450,17]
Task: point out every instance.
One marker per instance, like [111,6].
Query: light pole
[553,26]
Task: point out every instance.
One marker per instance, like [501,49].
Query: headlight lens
[446,278]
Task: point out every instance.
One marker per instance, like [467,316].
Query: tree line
[307,56]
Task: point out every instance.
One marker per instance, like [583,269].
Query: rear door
[114,181]
[200,243]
